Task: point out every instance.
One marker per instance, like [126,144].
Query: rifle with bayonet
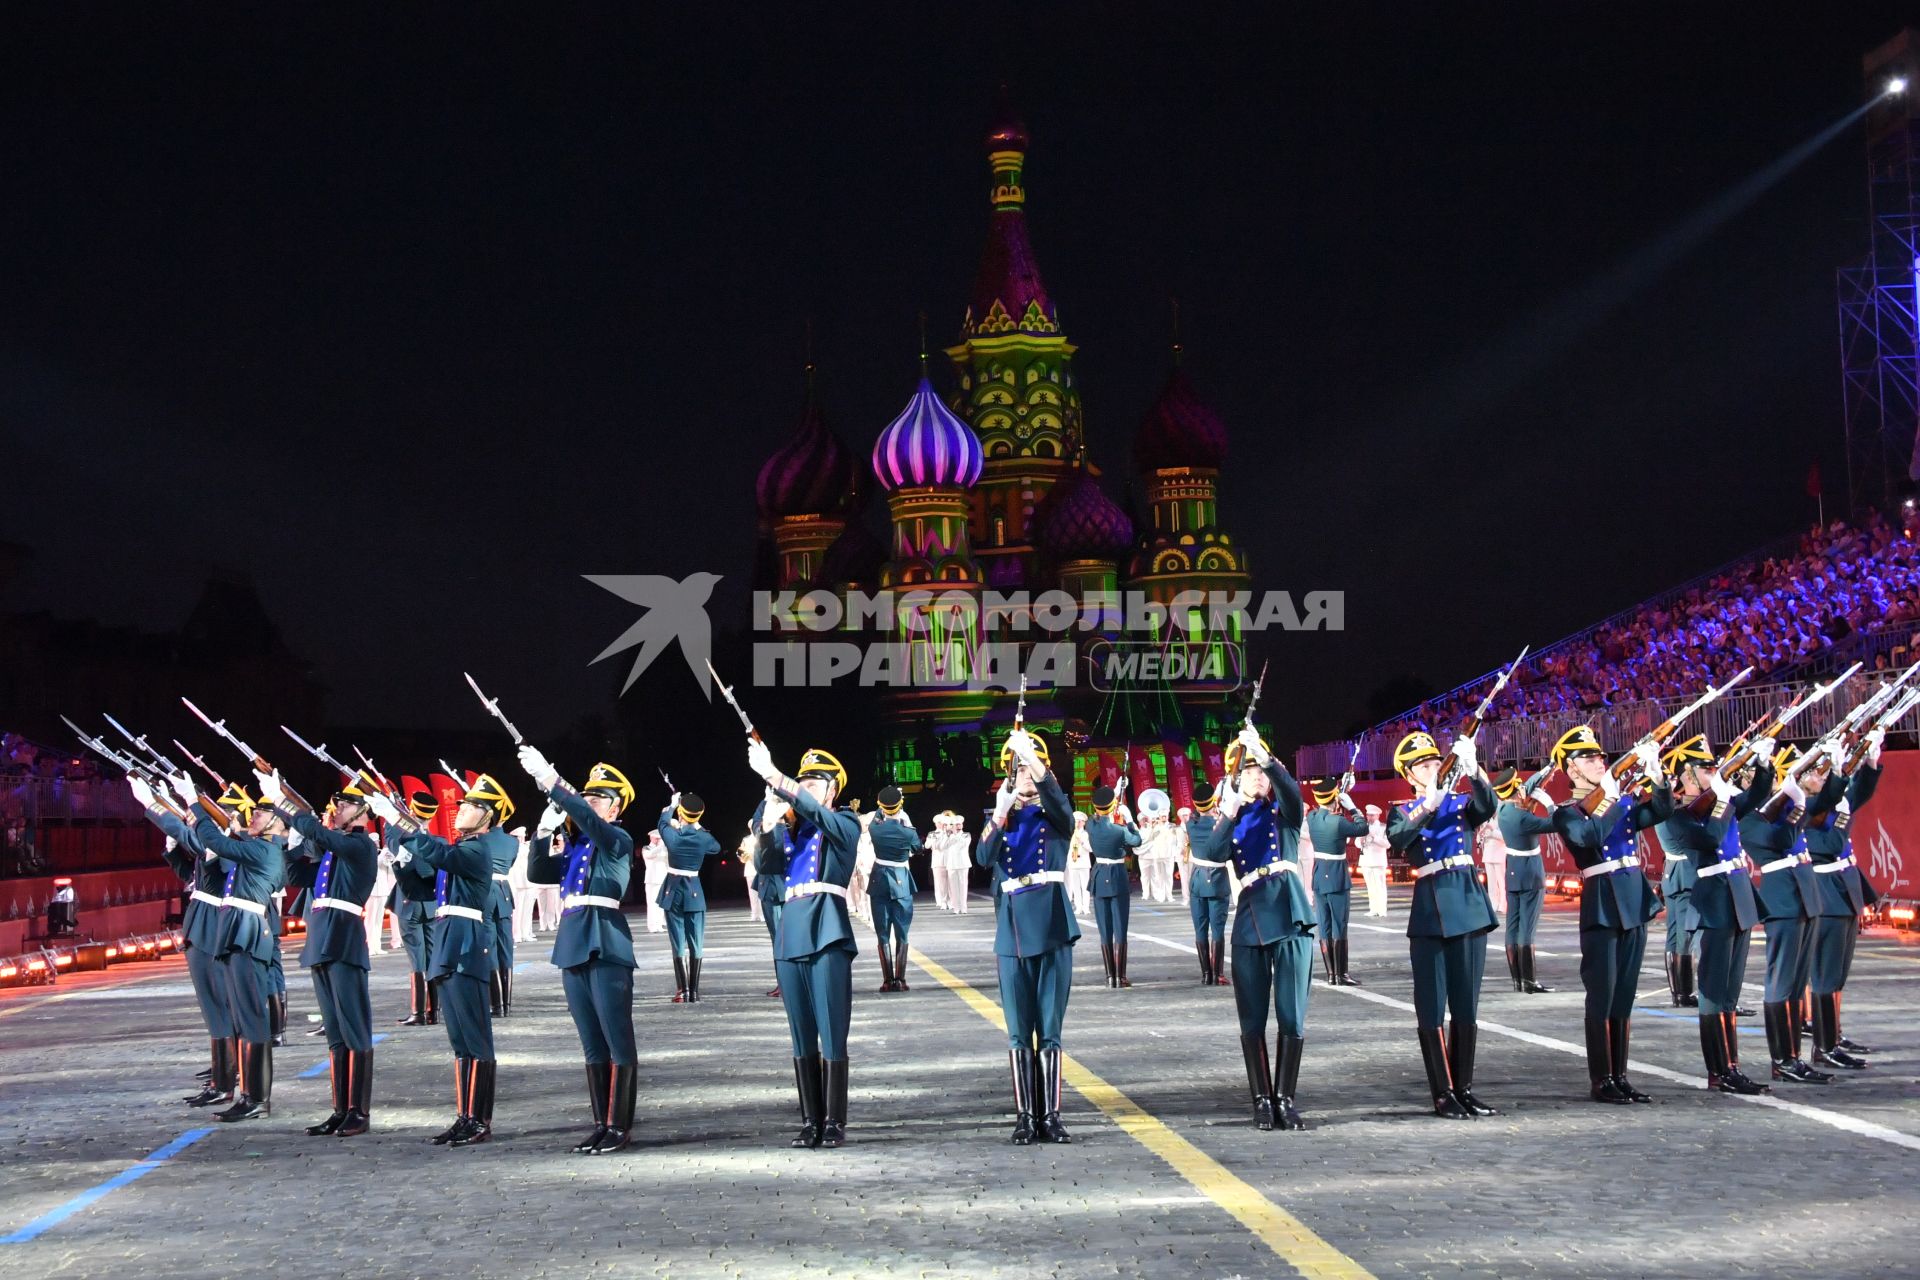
[156,783]
[160,761]
[1841,741]
[254,758]
[1887,720]
[1737,757]
[726,691]
[1657,737]
[380,779]
[201,761]
[1450,767]
[321,754]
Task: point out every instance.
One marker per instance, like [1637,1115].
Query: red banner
[1179,778]
[1109,769]
[1213,761]
[448,793]
[1141,775]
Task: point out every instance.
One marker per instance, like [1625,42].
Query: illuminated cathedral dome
[927,446]
[811,474]
[1180,430]
[1085,524]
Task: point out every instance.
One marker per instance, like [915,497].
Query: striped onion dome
[1085,524]
[926,446]
[811,474]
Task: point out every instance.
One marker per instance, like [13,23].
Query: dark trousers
[687,930]
[1111,915]
[1723,967]
[892,917]
[1033,996]
[1330,911]
[503,941]
[818,993]
[1209,919]
[1832,949]
[276,972]
[1682,922]
[346,1009]
[210,991]
[600,998]
[1446,978]
[1789,958]
[1523,916]
[1610,970]
[249,986]
[416,935]
[1281,972]
[772,910]
[463,1007]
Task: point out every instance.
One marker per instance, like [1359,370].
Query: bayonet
[258,761]
[493,708]
[726,691]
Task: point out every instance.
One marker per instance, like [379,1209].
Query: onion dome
[1180,430]
[1085,524]
[811,474]
[855,557]
[927,446]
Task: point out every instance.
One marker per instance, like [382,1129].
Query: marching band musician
[1159,846]
[654,855]
[1209,887]
[953,860]
[1333,820]
[1373,862]
[525,891]
[743,853]
[1080,866]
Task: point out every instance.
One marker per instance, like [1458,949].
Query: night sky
[419,317]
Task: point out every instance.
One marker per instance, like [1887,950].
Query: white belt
[245,904]
[676,871]
[1202,862]
[1523,853]
[1610,865]
[808,888]
[1778,863]
[1726,868]
[201,895]
[1032,878]
[337,904]
[1329,857]
[1443,864]
[1262,873]
[465,913]
[498,876]
[573,900]
[1111,862]
[882,862]
[1828,868]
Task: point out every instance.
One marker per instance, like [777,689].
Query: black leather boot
[1619,1033]
[276,1019]
[599,1089]
[1688,999]
[493,993]
[1600,1063]
[433,1001]
[359,1094]
[1203,949]
[506,992]
[462,1088]
[1713,1052]
[1221,978]
[1513,967]
[1326,962]
[1530,980]
[886,971]
[1433,1052]
[900,966]
[1673,978]
[337,1090]
[1287,1066]
[625,1084]
[1253,1051]
[416,1002]
[1346,978]
[1463,1042]
[256,1084]
[1025,1122]
[219,1086]
[809,1077]
[1106,961]
[1051,1129]
[1826,1037]
[1120,963]
[1780,1047]
[479,1106]
[693,979]
[679,980]
[1730,1039]
[833,1126]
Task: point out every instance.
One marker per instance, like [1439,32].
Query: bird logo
[674,611]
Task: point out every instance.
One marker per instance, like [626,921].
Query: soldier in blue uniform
[461,873]
[1837,798]
[1209,888]
[773,845]
[205,875]
[1110,833]
[890,889]
[500,916]
[257,867]
[1520,830]
[1616,900]
[1450,916]
[688,846]
[1789,893]
[1704,831]
[416,924]
[592,862]
[1677,879]
[338,862]
[1334,820]
[1025,846]
[1259,831]
[814,950]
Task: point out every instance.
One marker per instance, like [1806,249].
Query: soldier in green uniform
[1450,917]
[1836,798]
[773,844]
[1209,888]
[341,877]
[890,888]
[1110,833]
[814,950]
[1677,878]
[1599,827]
[416,923]
[1025,846]
[1704,830]
[462,885]
[688,846]
[1789,891]
[1334,820]
[1520,830]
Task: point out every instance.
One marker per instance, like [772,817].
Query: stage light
[1897,85]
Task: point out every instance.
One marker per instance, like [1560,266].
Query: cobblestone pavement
[1166,1175]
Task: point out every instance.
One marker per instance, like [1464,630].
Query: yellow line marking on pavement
[1279,1230]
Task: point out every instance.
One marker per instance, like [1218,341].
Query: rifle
[451,772]
[132,768]
[205,768]
[1450,767]
[1867,716]
[1253,699]
[165,765]
[493,708]
[1736,760]
[1908,701]
[382,780]
[726,691]
[1658,736]
[671,789]
[320,753]
[254,757]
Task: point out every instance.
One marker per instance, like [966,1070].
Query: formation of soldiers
[1239,848]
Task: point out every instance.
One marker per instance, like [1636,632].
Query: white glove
[1434,797]
[1722,788]
[1763,750]
[1119,787]
[1648,754]
[550,821]
[774,813]
[172,844]
[1123,816]
[1002,806]
[1256,750]
[1791,788]
[402,857]
[184,788]
[272,790]
[1020,743]
[1875,740]
[383,808]
[1467,752]
[143,795]
[294,840]
[543,774]
[1348,803]
[1610,785]
[1184,813]
[760,760]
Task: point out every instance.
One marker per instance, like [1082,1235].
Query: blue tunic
[1266,833]
[1620,898]
[1449,902]
[1034,918]
[596,862]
